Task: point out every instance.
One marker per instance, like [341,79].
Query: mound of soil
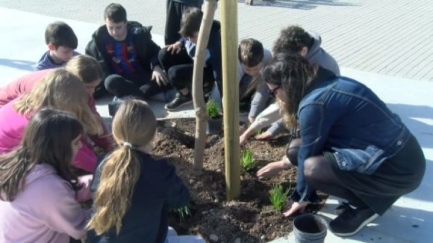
[251,218]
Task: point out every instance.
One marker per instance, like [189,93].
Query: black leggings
[139,86]
[319,174]
[179,67]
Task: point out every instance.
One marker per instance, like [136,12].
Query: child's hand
[264,136]
[84,194]
[174,48]
[159,77]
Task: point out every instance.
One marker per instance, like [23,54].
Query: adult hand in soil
[264,136]
[158,76]
[174,48]
[270,169]
[294,207]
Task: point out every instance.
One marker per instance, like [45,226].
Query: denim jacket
[345,117]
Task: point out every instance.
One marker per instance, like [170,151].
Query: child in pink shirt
[38,191]
[86,68]
[62,90]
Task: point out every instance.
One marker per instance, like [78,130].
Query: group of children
[346,141]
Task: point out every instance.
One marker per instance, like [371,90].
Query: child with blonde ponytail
[133,191]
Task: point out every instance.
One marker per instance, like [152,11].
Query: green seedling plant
[212,109]
[278,197]
[259,132]
[247,160]
[183,212]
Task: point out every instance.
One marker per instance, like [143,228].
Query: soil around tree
[251,218]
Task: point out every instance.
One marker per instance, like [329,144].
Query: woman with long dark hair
[352,146]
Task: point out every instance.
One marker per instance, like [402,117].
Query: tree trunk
[229,43]
[197,88]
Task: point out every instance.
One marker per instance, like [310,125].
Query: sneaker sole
[173,109]
[369,220]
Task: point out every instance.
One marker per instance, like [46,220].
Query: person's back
[132,191]
[146,220]
[12,127]
[20,86]
[62,90]
[354,115]
[317,55]
[25,221]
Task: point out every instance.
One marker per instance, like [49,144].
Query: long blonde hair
[134,127]
[61,90]
[86,68]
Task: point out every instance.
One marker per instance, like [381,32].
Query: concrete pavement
[409,220]
[391,37]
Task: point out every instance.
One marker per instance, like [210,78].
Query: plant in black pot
[214,122]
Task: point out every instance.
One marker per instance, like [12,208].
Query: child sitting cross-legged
[133,191]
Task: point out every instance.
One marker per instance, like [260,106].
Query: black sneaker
[350,221]
[341,208]
[178,101]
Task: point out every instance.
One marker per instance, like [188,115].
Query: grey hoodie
[45,211]
[316,55]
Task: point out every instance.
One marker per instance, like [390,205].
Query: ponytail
[119,175]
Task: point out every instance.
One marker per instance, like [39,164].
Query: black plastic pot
[309,228]
[214,126]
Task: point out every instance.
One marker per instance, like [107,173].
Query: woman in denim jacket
[352,145]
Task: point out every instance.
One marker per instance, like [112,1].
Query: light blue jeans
[172,237]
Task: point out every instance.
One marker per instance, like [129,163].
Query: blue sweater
[157,190]
[46,62]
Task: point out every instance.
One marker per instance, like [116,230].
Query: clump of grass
[212,109]
[183,212]
[278,197]
[247,160]
[259,132]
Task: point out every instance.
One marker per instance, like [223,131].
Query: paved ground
[392,37]
[409,220]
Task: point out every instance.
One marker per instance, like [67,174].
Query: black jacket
[147,50]
[158,189]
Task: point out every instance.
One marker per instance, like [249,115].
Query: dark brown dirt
[249,219]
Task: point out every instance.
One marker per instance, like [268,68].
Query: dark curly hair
[294,74]
[292,39]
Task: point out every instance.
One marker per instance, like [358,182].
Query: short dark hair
[61,34]
[191,21]
[115,13]
[292,39]
[250,52]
